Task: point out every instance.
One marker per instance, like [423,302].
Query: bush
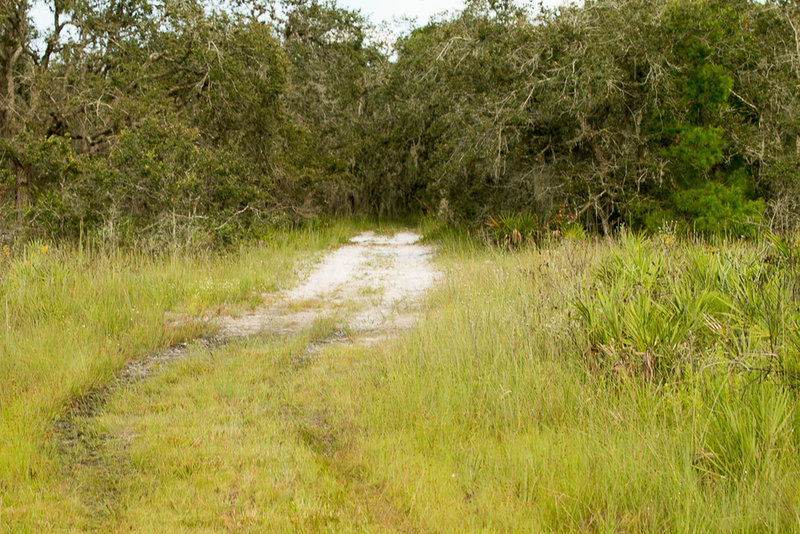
[717,209]
[512,230]
[160,180]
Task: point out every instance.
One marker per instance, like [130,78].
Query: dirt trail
[375,282]
[370,288]
[371,285]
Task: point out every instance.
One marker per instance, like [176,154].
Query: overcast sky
[377,11]
[380,11]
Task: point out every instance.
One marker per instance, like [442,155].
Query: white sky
[422,10]
[377,11]
[383,11]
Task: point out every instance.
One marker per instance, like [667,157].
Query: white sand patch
[375,281]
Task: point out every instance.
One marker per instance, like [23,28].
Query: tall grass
[617,386]
[624,385]
[70,318]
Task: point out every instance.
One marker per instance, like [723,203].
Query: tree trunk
[23,190]
[603,218]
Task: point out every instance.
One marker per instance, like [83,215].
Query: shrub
[657,308]
[512,230]
[717,209]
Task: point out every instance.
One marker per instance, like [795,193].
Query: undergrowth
[633,384]
[655,308]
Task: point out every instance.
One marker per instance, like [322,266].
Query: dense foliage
[202,121]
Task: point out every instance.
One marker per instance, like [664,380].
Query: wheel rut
[371,288]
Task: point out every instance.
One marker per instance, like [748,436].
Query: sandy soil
[373,284]
[372,287]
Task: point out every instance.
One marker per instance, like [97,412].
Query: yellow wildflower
[6,251]
[43,249]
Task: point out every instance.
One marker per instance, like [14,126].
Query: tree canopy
[204,121]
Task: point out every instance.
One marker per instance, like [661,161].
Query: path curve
[373,286]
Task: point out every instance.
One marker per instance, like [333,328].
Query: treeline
[180,120]
[195,121]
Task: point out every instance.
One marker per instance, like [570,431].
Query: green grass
[211,445]
[249,437]
[513,425]
[523,401]
[71,318]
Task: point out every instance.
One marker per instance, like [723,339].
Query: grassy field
[596,387]
[627,385]
[71,318]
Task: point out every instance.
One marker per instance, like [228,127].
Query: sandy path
[372,287]
[373,284]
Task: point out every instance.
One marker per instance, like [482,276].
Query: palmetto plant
[512,230]
[658,309]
